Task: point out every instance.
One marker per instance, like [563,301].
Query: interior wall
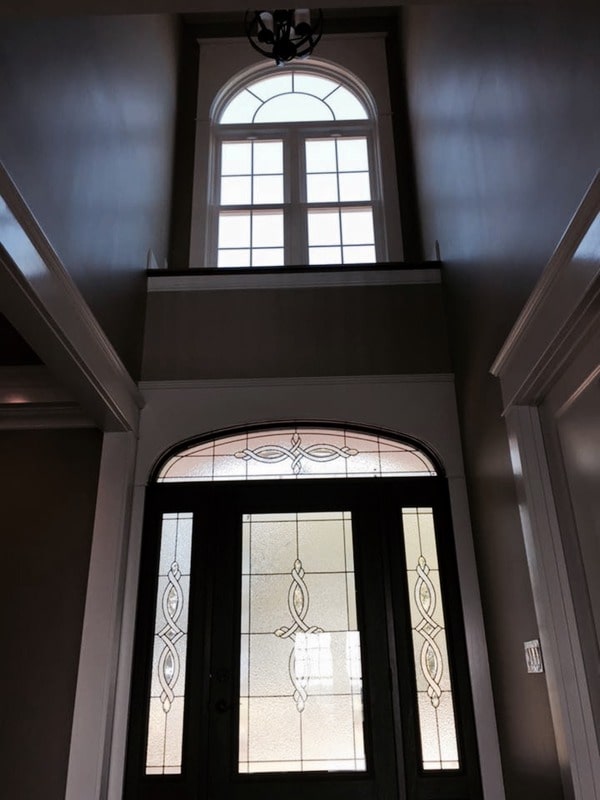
[87,136]
[505,119]
[48,496]
[379,330]
[15,349]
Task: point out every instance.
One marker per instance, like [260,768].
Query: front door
[305,665]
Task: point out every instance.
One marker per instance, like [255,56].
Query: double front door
[292,641]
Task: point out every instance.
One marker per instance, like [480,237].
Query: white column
[95,694]
[576,739]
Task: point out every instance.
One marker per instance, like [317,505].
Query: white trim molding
[362,56]
[570,701]
[556,326]
[558,312]
[31,399]
[308,278]
[42,416]
[315,380]
[94,711]
[40,299]
[420,406]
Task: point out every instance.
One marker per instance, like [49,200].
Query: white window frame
[225,66]
[295,206]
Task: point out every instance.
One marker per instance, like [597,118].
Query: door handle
[221,706]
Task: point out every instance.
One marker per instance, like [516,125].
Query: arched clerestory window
[295,170]
[299,623]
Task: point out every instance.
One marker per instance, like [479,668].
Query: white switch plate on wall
[533,656]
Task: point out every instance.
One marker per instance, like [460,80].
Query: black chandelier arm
[250,18]
[277,43]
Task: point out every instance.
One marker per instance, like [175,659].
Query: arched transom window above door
[296,452]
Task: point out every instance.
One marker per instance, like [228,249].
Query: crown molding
[561,310]
[258,383]
[40,299]
[301,279]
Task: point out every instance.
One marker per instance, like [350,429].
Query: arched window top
[321,93]
[296,452]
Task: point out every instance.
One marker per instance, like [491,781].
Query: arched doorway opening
[299,624]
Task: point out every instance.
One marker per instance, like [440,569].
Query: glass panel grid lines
[251,176]
[337,172]
[291,155]
[297,96]
[167,689]
[300,666]
[437,724]
[295,453]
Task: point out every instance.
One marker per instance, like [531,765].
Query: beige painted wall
[48,496]
[295,333]
[505,116]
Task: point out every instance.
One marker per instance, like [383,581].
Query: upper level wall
[505,119]
[87,136]
[375,330]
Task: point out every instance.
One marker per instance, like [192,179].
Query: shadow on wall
[88,139]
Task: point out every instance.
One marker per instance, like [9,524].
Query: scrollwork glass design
[291,453]
[437,724]
[167,692]
[300,676]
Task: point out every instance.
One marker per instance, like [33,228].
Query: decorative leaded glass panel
[167,691]
[300,671]
[289,453]
[434,690]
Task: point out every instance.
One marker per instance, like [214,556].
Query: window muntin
[252,173]
[304,146]
[292,97]
[337,170]
[251,177]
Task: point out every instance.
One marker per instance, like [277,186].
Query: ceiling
[78,7]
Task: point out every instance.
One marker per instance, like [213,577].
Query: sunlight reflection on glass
[320,155]
[234,229]
[323,227]
[235,191]
[352,154]
[294,108]
[300,666]
[322,188]
[357,226]
[354,186]
[268,157]
[236,158]
[267,229]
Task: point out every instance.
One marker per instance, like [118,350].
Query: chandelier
[284,34]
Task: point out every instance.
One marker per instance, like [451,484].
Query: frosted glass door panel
[167,690]
[437,725]
[300,672]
